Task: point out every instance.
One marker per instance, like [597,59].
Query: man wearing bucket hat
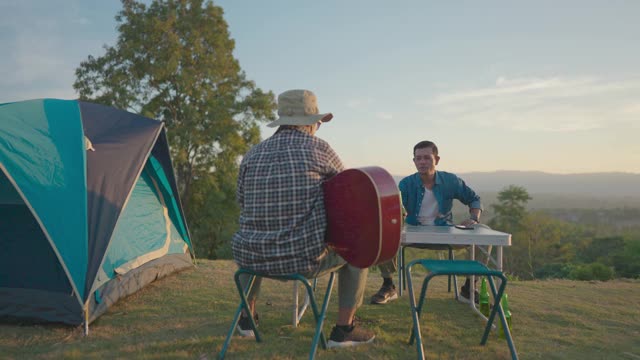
[282,219]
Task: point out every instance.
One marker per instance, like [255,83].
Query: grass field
[187,316]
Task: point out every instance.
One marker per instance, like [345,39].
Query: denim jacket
[447,187]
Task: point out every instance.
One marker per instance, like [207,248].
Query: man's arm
[474,217]
[404,197]
[408,202]
[333,165]
[472,200]
[240,185]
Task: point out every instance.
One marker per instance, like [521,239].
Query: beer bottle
[507,314]
[484,298]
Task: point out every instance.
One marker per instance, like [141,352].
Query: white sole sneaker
[245,333]
[336,344]
[390,298]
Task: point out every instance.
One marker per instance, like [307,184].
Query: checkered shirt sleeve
[282,220]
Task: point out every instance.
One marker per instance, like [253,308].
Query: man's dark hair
[426,144]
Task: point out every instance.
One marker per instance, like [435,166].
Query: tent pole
[86,319]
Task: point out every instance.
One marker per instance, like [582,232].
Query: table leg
[499,262]
[472,286]
[472,281]
[401,275]
[295,304]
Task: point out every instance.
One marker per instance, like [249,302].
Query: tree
[509,214]
[601,249]
[510,211]
[627,262]
[540,241]
[174,62]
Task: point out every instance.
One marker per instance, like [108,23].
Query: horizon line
[618,172]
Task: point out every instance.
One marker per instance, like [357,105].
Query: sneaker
[244,325]
[384,295]
[464,292]
[356,336]
[465,296]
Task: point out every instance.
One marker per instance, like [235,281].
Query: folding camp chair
[402,277]
[244,305]
[457,267]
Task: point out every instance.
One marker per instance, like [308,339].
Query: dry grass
[187,316]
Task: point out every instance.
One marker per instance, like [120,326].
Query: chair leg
[234,323]
[497,308]
[402,272]
[415,315]
[299,312]
[244,304]
[455,277]
[449,277]
[416,311]
[321,316]
[423,296]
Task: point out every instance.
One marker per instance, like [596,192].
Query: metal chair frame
[402,277]
[457,267]
[320,316]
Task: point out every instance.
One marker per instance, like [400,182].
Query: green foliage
[510,210]
[174,62]
[509,216]
[601,249]
[544,246]
[554,271]
[618,252]
[618,218]
[627,261]
[214,213]
[593,271]
[539,241]
[559,242]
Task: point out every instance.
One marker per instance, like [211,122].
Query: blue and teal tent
[89,209]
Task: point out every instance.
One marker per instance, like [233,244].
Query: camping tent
[89,209]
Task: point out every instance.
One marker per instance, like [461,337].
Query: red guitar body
[364,215]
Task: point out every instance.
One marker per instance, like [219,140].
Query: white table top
[450,235]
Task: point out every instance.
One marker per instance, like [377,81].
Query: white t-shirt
[428,209]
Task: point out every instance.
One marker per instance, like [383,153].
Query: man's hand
[474,217]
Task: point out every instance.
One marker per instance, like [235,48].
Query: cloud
[553,104]
[39,54]
[384,115]
[34,58]
[502,87]
[82,21]
[34,50]
[52,90]
[359,104]
[366,107]
[632,109]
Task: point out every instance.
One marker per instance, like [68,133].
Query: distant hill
[596,185]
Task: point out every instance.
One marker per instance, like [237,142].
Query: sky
[541,85]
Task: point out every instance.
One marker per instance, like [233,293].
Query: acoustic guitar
[364,215]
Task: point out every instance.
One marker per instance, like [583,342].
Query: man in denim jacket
[427,197]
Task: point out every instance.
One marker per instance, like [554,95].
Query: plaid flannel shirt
[282,219]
